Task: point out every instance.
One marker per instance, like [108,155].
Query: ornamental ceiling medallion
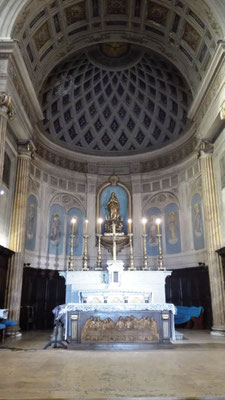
[114,49]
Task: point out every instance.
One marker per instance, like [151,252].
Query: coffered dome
[115,99]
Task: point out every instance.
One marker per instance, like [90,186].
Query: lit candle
[86,225]
[73,222]
[158,222]
[114,228]
[144,220]
[100,221]
[129,225]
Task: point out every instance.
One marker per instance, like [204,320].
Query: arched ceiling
[184,31]
[115,99]
[176,37]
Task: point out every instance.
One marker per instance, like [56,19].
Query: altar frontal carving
[128,329]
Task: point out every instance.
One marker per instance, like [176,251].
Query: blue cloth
[2,326]
[9,322]
[184,314]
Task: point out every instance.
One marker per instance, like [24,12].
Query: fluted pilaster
[17,237]
[5,113]
[213,237]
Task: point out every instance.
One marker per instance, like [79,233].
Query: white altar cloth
[59,311]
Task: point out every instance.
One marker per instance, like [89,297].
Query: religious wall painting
[31,223]
[191,37]
[157,13]
[41,36]
[172,229]
[116,7]
[78,231]
[114,208]
[151,230]
[75,13]
[197,222]
[56,230]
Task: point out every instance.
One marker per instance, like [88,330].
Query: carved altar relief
[128,329]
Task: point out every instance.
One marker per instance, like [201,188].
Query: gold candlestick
[99,256]
[161,266]
[145,260]
[71,266]
[130,234]
[85,255]
[132,267]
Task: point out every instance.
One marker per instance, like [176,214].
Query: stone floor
[193,369]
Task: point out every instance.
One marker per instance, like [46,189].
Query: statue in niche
[113,207]
[172,225]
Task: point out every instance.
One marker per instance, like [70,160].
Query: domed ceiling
[115,99]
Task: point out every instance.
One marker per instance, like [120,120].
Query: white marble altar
[132,286]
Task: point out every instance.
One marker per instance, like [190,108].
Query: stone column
[213,238]
[18,229]
[5,113]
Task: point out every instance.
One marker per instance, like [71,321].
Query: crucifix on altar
[114,241]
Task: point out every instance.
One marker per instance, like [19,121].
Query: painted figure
[172,224]
[55,230]
[197,220]
[153,231]
[30,222]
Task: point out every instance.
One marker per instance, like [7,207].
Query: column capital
[26,148]
[6,105]
[205,148]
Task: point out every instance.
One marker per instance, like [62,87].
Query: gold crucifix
[114,241]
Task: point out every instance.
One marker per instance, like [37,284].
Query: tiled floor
[193,369]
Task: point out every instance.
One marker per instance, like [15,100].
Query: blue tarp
[184,314]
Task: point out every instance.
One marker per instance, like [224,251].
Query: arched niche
[172,229]
[78,231]
[163,205]
[123,195]
[197,222]
[152,230]
[56,230]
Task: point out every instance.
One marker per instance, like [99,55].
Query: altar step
[119,346]
[179,335]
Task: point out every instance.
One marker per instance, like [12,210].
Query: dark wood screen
[5,254]
[190,287]
[42,291]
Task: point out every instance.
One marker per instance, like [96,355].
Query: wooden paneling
[42,291]
[190,287]
[5,254]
